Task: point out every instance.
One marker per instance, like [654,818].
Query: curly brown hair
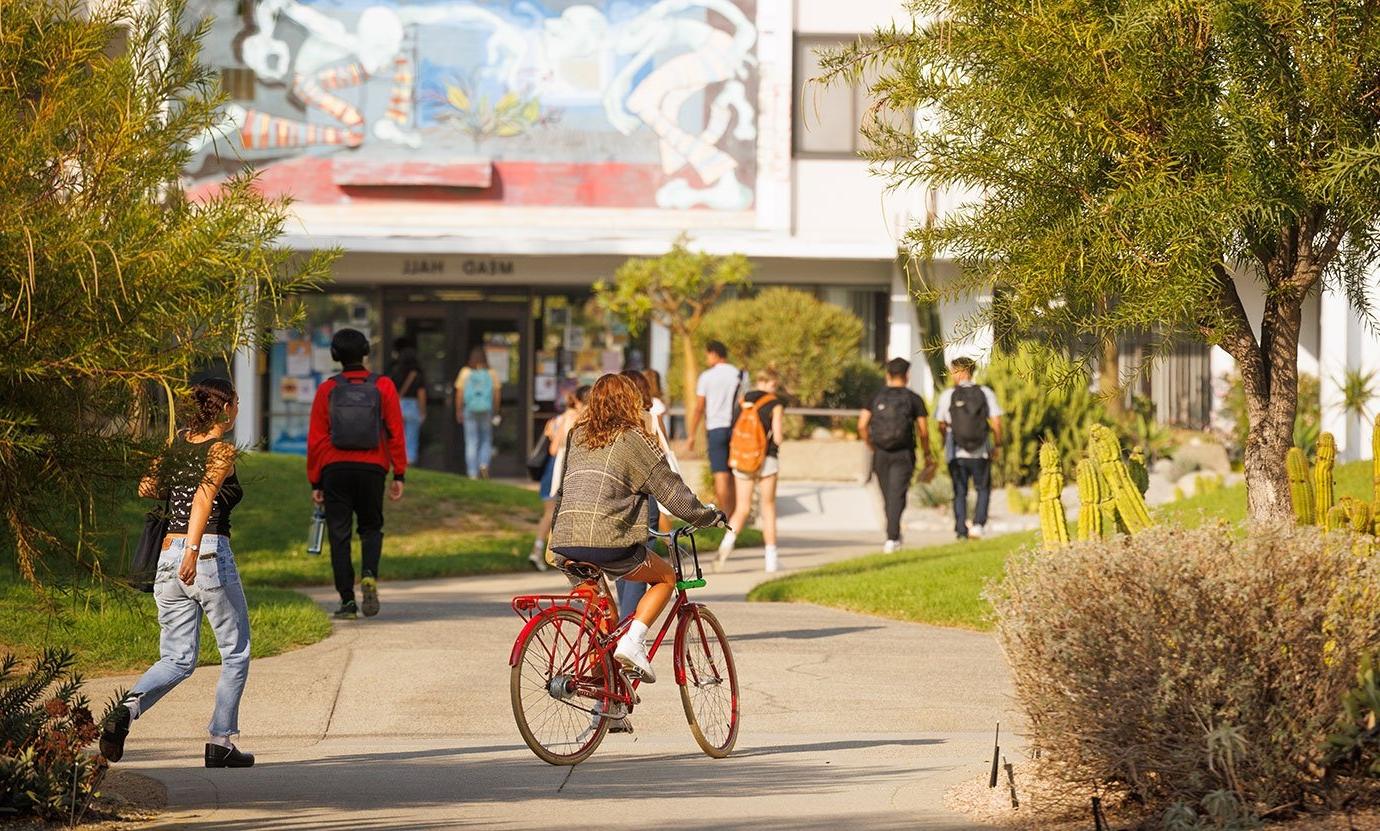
[614,407]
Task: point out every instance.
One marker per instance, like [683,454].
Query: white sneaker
[631,654]
[891,547]
[725,549]
[976,531]
[771,559]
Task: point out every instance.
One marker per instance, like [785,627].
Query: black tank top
[184,469]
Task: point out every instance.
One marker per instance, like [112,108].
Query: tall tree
[113,285]
[1141,162]
[675,290]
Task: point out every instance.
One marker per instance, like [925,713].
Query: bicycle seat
[581,571]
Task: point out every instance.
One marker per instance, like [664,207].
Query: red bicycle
[567,688]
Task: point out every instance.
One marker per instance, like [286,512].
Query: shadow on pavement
[803,634]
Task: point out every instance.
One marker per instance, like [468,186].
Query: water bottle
[317,532]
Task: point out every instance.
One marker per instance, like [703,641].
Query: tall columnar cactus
[1130,504]
[1054,527]
[1140,474]
[1300,487]
[1323,484]
[1375,460]
[1092,494]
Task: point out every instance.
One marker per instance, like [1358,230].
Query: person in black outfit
[892,425]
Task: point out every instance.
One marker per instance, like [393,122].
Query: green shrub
[45,726]
[808,341]
[858,380]
[1043,399]
[1194,671]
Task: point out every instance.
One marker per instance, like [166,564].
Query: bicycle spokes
[561,690]
[709,692]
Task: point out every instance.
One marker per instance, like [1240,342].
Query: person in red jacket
[355,437]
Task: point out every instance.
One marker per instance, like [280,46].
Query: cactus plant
[1130,504]
[1357,514]
[1140,474]
[1091,497]
[1300,487]
[1323,484]
[1054,527]
[1375,460]
[1335,518]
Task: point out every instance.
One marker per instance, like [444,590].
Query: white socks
[771,564]
[223,741]
[730,537]
[635,636]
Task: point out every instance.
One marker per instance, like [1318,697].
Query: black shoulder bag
[143,566]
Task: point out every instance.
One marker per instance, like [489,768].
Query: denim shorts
[719,439]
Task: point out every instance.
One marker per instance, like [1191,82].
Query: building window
[828,118]
[238,83]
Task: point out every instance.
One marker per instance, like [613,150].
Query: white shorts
[770,467]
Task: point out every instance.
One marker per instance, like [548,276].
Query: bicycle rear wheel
[710,690]
[560,690]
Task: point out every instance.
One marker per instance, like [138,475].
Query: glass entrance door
[429,326]
[445,334]
[500,331]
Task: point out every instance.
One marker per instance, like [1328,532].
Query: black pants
[353,493]
[979,472]
[894,470]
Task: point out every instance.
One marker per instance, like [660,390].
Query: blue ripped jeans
[217,593]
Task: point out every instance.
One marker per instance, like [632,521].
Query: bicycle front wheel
[560,689]
[709,692]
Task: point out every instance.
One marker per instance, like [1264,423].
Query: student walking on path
[196,575]
[893,424]
[969,418]
[355,437]
[555,431]
[663,436]
[753,455]
[716,393]
[411,384]
[478,400]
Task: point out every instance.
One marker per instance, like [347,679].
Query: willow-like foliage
[114,286]
[1129,165]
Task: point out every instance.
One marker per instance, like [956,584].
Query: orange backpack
[747,449]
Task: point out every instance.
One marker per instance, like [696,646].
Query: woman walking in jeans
[411,383]
[196,575]
[477,398]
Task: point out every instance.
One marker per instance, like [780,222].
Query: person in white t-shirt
[716,393]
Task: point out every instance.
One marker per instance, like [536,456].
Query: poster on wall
[499,361]
[544,388]
[299,353]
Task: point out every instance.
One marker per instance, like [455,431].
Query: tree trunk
[1109,378]
[690,372]
[1270,378]
[1271,410]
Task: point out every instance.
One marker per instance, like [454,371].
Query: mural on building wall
[626,103]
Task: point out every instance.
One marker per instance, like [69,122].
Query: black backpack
[893,420]
[356,413]
[968,417]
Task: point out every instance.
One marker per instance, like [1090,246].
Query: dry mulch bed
[992,807]
[128,800]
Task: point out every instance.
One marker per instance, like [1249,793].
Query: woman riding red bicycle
[612,466]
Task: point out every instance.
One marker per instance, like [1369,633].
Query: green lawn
[445,525]
[943,584]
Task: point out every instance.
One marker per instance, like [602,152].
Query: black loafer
[113,732]
[218,756]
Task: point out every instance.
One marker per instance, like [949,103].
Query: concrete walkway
[403,721]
